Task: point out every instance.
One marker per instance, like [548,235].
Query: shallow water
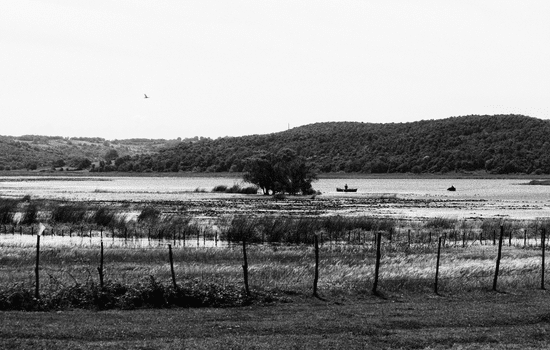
[473,197]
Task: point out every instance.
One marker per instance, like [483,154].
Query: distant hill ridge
[499,144]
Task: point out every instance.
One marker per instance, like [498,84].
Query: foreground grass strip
[479,321]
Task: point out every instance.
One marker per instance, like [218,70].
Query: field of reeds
[105,256]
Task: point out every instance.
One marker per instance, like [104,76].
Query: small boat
[338,189]
[452,188]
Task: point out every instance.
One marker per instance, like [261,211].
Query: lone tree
[284,172]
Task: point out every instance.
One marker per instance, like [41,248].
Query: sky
[239,67]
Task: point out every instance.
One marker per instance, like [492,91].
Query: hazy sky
[231,68]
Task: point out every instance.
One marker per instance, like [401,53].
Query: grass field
[138,308]
[483,320]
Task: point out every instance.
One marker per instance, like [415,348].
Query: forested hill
[497,144]
[46,152]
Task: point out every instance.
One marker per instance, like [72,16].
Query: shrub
[441,223]
[70,213]
[149,214]
[219,188]
[7,211]
[103,217]
[30,214]
[236,189]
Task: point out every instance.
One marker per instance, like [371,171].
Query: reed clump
[236,188]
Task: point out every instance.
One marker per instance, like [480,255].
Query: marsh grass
[274,270]
[280,255]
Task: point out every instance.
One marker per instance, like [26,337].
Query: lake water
[473,197]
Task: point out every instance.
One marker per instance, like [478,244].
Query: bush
[70,213]
[236,189]
[8,208]
[103,217]
[219,188]
[441,223]
[30,214]
[149,214]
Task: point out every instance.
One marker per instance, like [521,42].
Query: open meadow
[248,271]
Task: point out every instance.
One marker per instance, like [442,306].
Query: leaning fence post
[245,269]
[316,278]
[543,244]
[499,254]
[377,266]
[437,265]
[172,266]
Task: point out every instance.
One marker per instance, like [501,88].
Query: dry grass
[343,268]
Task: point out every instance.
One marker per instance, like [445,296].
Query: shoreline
[239,175]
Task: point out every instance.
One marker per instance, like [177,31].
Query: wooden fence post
[100,267]
[316,278]
[37,267]
[499,254]
[437,266]
[543,244]
[377,266]
[172,266]
[245,269]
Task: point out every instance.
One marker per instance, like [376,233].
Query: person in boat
[345,187]
[452,188]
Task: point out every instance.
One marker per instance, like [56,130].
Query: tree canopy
[284,172]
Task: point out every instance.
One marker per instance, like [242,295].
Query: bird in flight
[146,96]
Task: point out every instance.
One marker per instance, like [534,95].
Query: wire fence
[408,260]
